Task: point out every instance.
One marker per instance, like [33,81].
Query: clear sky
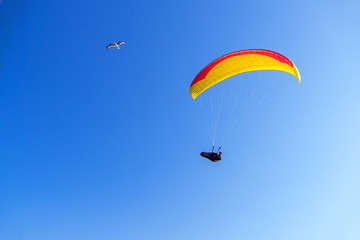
[104,144]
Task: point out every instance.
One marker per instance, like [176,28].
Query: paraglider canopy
[238,62]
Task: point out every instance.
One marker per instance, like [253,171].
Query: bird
[115,44]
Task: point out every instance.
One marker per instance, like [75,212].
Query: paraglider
[212,156]
[234,63]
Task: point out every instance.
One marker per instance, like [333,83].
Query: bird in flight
[115,44]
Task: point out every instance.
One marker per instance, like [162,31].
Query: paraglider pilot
[215,157]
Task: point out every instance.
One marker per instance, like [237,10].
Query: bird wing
[110,45]
[121,42]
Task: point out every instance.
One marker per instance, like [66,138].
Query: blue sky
[104,144]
